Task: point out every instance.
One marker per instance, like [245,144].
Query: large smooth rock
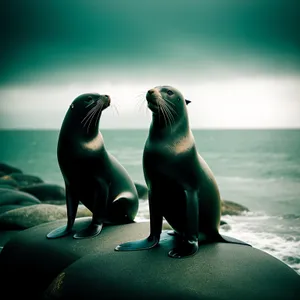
[45,191]
[29,216]
[68,268]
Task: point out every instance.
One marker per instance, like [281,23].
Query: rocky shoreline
[27,200]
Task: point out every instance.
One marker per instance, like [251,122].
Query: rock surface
[68,268]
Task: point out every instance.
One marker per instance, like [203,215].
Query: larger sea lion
[182,188]
[91,174]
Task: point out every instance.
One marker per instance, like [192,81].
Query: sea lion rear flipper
[189,245]
[228,239]
[72,202]
[91,231]
[99,201]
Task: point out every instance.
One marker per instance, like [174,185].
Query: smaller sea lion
[91,174]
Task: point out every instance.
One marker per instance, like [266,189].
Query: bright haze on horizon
[237,62]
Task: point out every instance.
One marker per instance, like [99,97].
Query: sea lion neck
[162,127]
[159,131]
[87,130]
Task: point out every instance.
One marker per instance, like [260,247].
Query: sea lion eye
[88,100]
[170,93]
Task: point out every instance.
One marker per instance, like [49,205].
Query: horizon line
[147,128]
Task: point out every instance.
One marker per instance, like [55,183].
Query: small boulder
[45,191]
[26,217]
[8,169]
[23,179]
[232,209]
[8,182]
[14,197]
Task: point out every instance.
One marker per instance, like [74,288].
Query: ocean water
[259,169]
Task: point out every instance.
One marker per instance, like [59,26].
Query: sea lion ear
[187,101]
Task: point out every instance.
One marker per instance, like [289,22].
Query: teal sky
[238,61]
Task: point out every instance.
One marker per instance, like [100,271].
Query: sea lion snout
[105,99]
[151,96]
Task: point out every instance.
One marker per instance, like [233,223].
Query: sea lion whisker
[165,113]
[91,119]
[168,119]
[88,116]
[89,113]
[158,106]
[140,95]
[170,111]
[95,110]
[160,109]
[96,113]
[168,104]
[90,104]
[169,116]
[162,103]
[115,108]
[140,101]
[143,106]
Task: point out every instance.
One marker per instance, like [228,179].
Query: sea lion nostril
[151,91]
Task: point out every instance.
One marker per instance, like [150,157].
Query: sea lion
[182,188]
[91,174]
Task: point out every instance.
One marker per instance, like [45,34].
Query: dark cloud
[43,39]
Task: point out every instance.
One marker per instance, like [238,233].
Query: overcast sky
[237,61]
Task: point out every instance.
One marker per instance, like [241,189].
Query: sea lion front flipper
[100,199]
[91,231]
[59,232]
[188,245]
[156,221]
[72,205]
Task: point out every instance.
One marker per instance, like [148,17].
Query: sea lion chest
[167,157]
[82,159]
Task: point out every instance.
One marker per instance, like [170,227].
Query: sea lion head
[85,110]
[167,103]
